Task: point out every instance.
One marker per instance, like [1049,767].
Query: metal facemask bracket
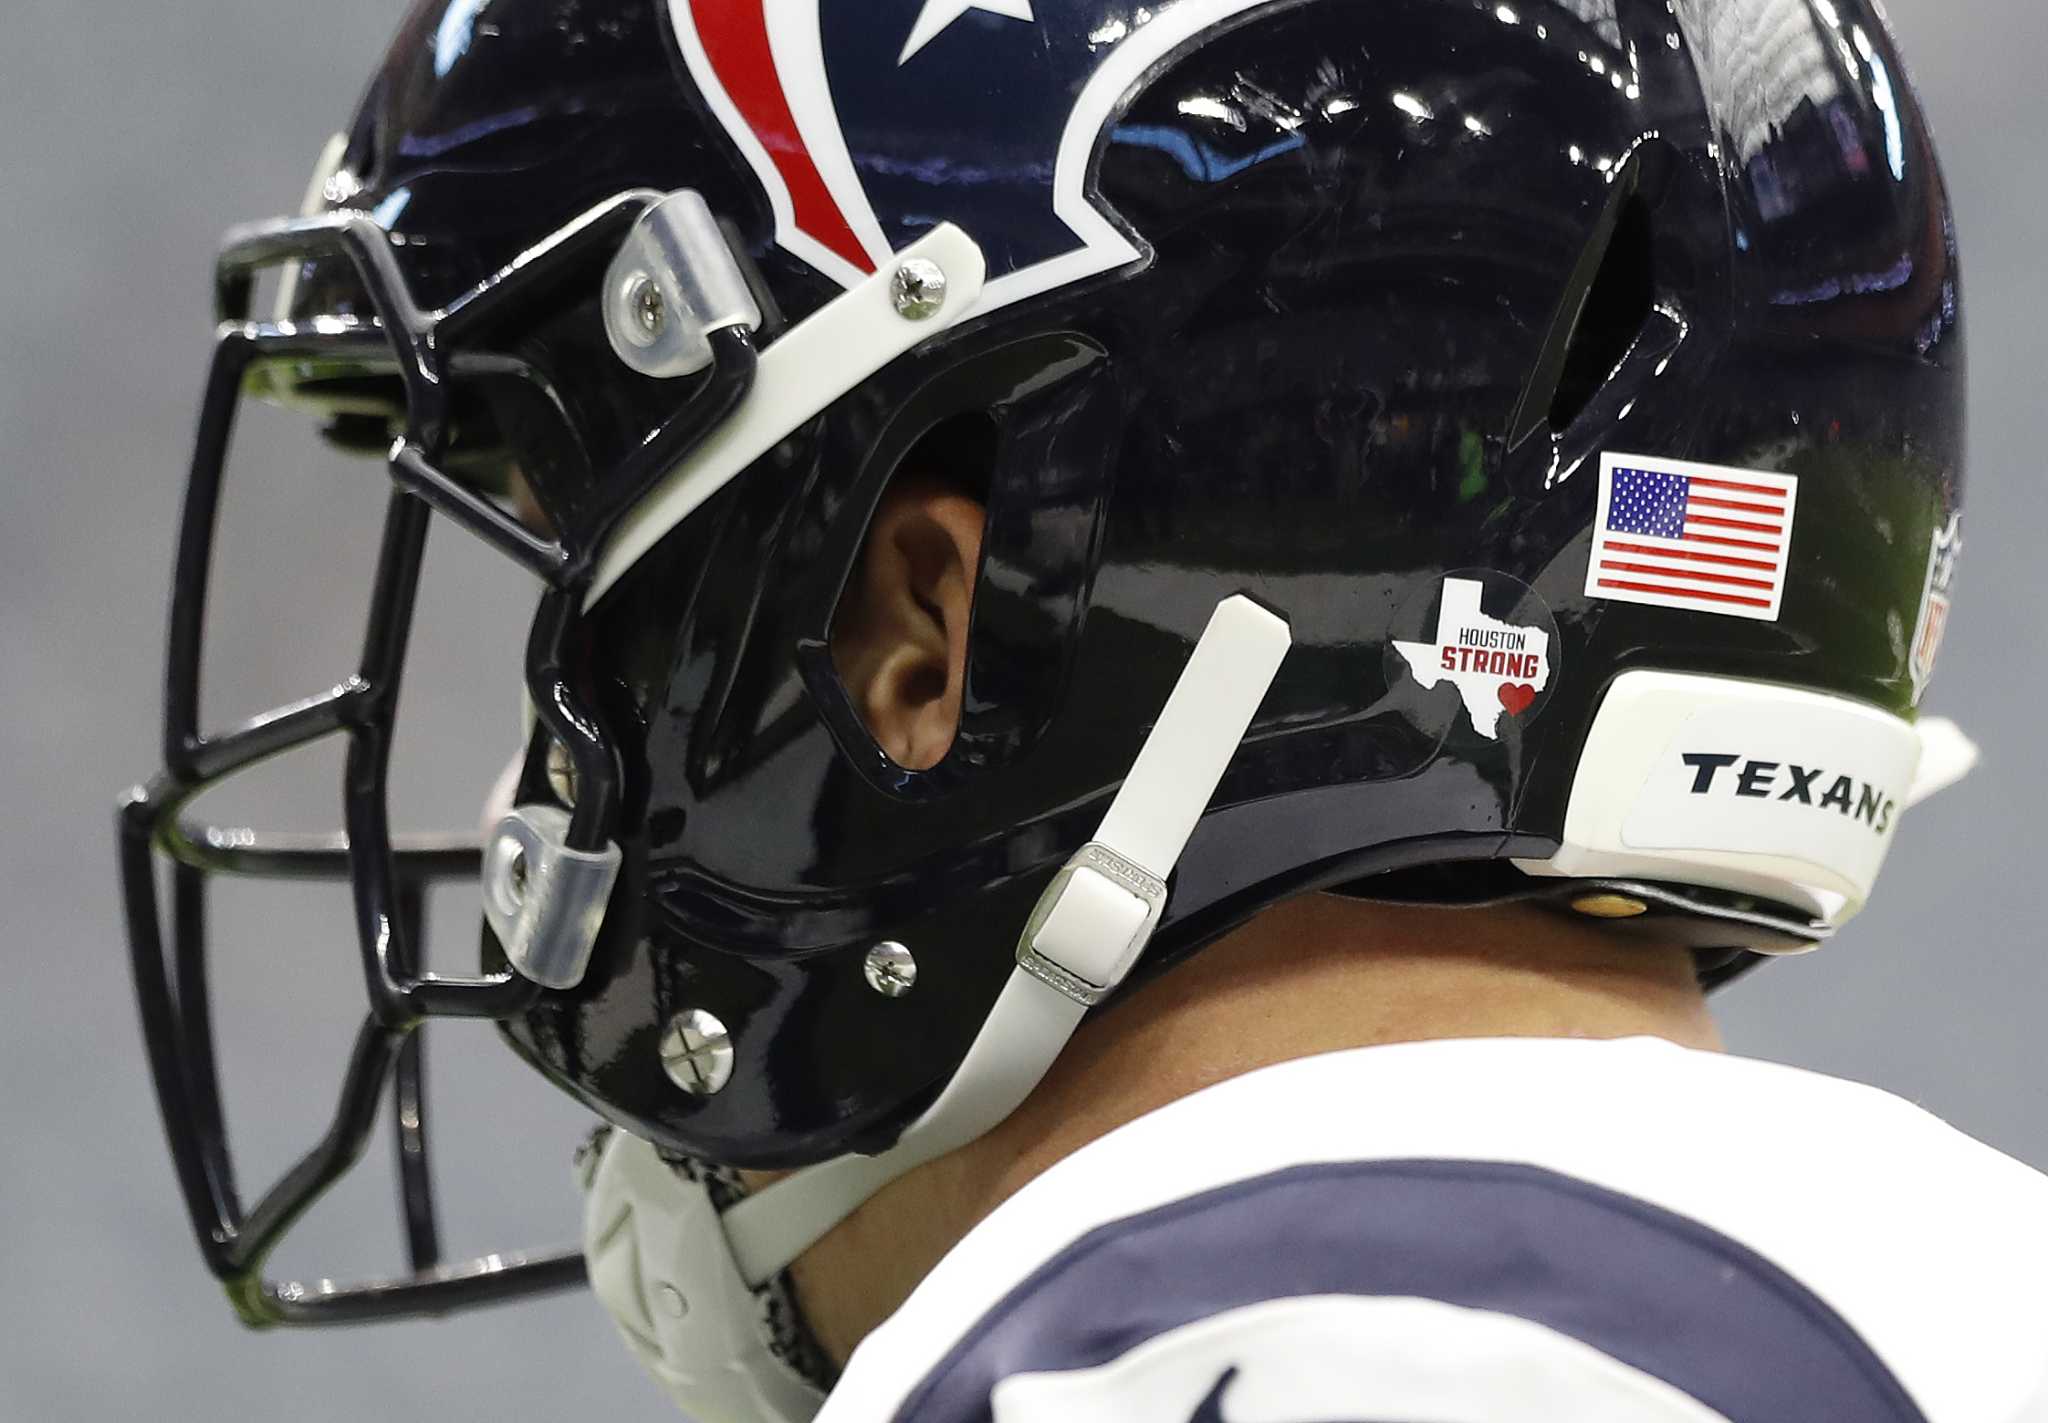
[674,282]
[544,900]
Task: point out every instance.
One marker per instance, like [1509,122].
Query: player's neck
[1319,974]
[1314,975]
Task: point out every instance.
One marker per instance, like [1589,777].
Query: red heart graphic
[1516,697]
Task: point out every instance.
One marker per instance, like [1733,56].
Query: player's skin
[1314,974]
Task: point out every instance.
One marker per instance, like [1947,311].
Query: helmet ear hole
[958,452]
[899,635]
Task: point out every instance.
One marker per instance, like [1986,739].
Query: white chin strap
[1085,934]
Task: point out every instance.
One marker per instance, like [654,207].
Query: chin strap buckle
[1091,924]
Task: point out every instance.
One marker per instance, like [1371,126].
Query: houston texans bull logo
[835,102]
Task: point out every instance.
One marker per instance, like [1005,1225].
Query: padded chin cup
[660,1266]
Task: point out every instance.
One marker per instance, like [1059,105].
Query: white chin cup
[659,1264]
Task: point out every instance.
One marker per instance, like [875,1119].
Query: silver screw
[890,969]
[649,312]
[673,1302]
[696,1052]
[562,774]
[918,288]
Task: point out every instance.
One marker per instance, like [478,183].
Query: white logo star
[936,15]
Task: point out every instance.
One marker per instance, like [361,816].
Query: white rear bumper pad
[1775,791]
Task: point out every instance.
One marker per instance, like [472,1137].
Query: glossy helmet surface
[1329,304]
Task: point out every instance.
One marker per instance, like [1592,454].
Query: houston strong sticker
[1498,667]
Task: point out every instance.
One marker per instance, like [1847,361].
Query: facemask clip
[674,282]
[543,900]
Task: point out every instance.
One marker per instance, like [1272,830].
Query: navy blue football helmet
[1576,384]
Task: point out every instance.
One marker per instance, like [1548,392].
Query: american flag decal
[1673,534]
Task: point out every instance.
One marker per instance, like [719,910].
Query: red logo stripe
[735,38]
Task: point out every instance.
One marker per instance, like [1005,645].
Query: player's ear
[899,640]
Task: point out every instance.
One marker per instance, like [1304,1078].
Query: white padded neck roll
[1095,939]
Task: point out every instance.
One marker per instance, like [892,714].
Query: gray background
[134,134]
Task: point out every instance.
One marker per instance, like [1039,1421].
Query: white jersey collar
[1850,1189]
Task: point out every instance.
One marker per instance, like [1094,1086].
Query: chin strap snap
[1082,938]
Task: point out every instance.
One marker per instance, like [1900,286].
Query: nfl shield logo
[1934,603]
